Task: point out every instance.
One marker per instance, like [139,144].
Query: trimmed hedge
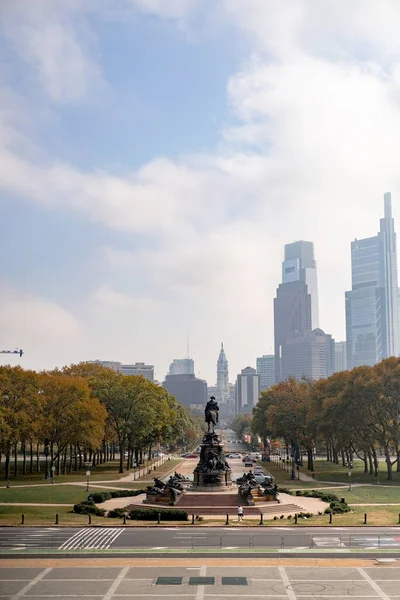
[284,490]
[116,513]
[151,514]
[337,508]
[99,497]
[86,508]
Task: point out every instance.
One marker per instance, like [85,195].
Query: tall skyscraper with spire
[223,391]
[372,305]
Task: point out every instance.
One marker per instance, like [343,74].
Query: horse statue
[211,414]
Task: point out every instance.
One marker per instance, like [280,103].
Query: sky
[156,155]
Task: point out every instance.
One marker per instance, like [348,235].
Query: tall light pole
[87,465]
[350,468]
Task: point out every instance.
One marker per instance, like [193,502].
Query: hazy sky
[156,155]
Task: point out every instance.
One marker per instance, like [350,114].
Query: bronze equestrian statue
[211,414]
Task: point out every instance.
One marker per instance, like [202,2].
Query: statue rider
[212,405]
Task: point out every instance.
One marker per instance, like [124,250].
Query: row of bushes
[88,508]
[99,497]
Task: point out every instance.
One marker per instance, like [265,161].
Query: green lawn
[64,494]
[330,472]
[45,516]
[105,472]
[371,494]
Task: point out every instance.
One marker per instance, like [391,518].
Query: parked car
[194,455]
[248,463]
[259,469]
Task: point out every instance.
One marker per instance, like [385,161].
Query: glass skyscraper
[372,305]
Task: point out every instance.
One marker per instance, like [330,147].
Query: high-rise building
[340,357]
[296,302]
[372,305]
[310,355]
[247,390]
[266,371]
[187,389]
[138,368]
[223,392]
[181,366]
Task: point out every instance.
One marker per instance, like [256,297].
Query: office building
[310,355]
[247,390]
[181,366]
[340,357]
[266,371]
[187,389]
[223,392]
[138,368]
[372,305]
[296,302]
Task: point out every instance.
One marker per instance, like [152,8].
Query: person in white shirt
[240,513]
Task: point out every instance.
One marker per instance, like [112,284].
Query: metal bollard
[89,519]
[192,519]
[22,519]
[295,519]
[365,519]
[159,519]
[330,518]
[124,522]
[261,519]
[56,518]
[227,519]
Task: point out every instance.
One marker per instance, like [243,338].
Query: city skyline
[156,156]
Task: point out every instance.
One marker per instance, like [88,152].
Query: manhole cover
[234,580]
[201,580]
[169,581]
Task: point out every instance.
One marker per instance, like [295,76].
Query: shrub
[282,517]
[99,497]
[126,493]
[151,514]
[290,517]
[275,518]
[339,508]
[284,490]
[116,513]
[86,508]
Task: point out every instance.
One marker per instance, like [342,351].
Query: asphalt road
[161,538]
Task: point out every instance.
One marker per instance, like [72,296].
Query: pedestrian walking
[240,513]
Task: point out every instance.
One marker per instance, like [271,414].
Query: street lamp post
[350,468]
[53,469]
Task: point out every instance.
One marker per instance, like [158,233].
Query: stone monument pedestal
[212,473]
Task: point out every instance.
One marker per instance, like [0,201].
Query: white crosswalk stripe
[93,538]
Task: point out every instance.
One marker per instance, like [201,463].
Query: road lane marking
[373,584]
[286,583]
[116,583]
[31,584]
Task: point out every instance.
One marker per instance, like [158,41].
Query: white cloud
[169,9]
[312,145]
[52,37]
[47,332]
